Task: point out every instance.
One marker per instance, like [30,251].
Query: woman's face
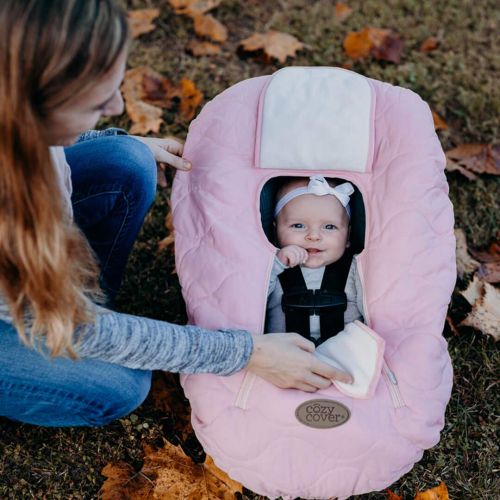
[65,124]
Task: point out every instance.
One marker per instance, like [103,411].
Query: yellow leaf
[381,44]
[190,97]
[439,123]
[438,493]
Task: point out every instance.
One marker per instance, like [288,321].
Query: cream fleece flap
[358,350]
[316,118]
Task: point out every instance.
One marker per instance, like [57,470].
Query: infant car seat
[333,122]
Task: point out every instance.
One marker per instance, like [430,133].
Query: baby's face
[319,224]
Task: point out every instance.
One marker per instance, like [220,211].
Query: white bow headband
[319,186]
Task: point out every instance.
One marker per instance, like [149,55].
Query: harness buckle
[313,302]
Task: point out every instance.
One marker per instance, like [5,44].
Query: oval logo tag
[322,413]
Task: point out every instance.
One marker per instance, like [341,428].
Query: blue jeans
[114,184]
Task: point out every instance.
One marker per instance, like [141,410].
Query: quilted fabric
[407,270]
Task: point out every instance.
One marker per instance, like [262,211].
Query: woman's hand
[286,360]
[166,151]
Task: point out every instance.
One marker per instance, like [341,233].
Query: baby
[312,222]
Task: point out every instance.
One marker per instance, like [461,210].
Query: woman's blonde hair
[50,50]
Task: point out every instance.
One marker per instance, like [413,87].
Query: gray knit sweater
[143,343]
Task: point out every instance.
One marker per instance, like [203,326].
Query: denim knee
[137,165]
[120,397]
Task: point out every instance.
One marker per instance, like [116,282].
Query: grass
[460,82]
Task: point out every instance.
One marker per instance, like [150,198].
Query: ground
[460,82]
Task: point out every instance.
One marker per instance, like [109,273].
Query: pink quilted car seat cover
[381,138]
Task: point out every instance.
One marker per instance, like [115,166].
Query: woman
[63,359]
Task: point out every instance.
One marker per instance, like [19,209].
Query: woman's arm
[144,343]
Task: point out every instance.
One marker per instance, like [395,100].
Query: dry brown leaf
[490,255]
[169,398]
[381,44]
[169,239]
[141,21]
[392,496]
[342,11]
[438,493]
[490,272]
[199,48]
[474,291]
[206,25]
[477,158]
[439,123]
[490,261]
[465,263]
[145,117]
[451,166]
[190,98]
[123,482]
[190,7]
[176,476]
[275,44]
[168,473]
[485,314]
[451,325]
[429,44]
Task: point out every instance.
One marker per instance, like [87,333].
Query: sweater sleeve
[278,268]
[354,295]
[144,343]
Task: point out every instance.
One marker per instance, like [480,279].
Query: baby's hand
[292,255]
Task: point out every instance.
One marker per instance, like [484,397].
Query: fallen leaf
[169,398]
[206,25]
[451,166]
[145,117]
[438,493]
[477,158]
[474,291]
[392,496]
[169,239]
[198,48]
[490,255]
[176,476]
[190,98]
[189,7]
[168,473]
[490,261]
[429,44]
[439,123]
[381,44]
[141,21]
[451,325]
[489,272]
[342,11]
[122,481]
[465,263]
[485,314]
[275,44]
